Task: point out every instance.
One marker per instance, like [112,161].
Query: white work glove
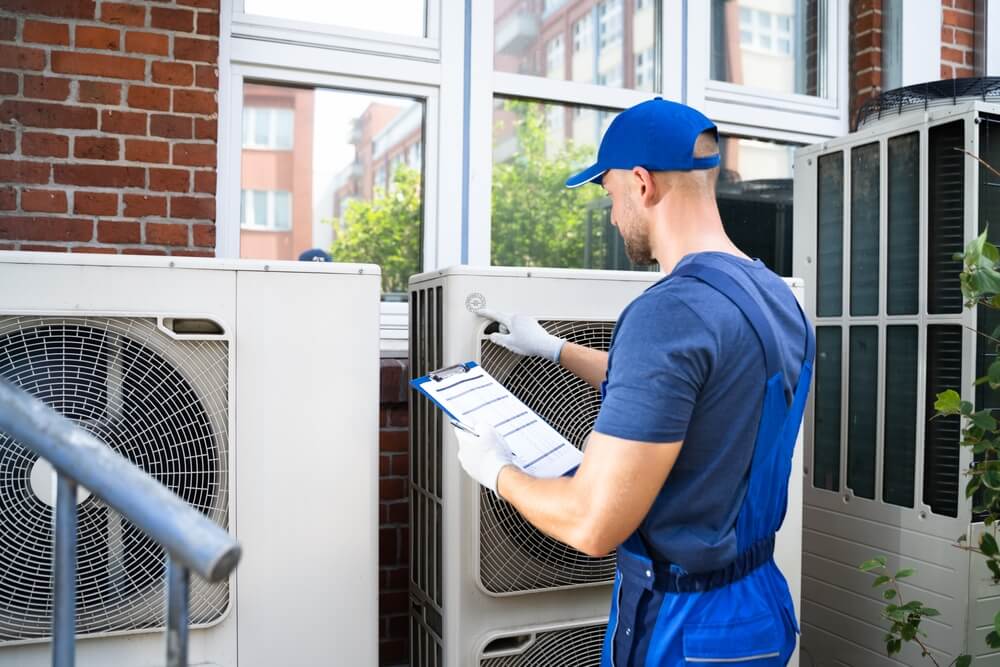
[526,336]
[484,455]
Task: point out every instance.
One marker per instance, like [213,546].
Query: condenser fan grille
[570,647]
[160,403]
[514,556]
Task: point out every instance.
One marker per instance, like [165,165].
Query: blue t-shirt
[685,364]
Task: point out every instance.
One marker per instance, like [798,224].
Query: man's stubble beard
[635,233]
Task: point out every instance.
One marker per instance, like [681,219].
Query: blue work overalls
[742,614]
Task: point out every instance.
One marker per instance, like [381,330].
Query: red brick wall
[865,52]
[394,517]
[108,115]
[958,25]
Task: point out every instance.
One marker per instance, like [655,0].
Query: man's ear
[645,185]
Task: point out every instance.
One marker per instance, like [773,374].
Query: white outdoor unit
[248,388]
[487,589]
[879,215]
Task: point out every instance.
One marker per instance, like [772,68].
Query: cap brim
[588,175]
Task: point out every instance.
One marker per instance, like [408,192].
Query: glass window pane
[864,229]
[537,221]
[946,217]
[826,434]
[904,224]
[318,178]
[398,17]
[755,199]
[861,411]
[900,423]
[892,44]
[941,435]
[262,127]
[830,235]
[613,42]
[785,51]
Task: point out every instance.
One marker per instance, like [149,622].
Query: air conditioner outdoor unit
[248,388]
[879,216]
[487,589]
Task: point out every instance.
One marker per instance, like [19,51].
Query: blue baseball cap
[658,135]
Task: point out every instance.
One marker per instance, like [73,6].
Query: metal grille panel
[514,556]
[160,403]
[571,647]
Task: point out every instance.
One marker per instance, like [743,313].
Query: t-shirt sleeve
[661,358]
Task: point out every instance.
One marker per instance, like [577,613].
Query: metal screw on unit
[360,271]
[847,498]
[171,265]
[922,514]
[805,471]
[809,259]
[809,161]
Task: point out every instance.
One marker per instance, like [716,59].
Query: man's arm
[586,363]
[603,503]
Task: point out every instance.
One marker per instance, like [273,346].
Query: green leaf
[993,373]
[984,420]
[993,639]
[963,660]
[930,611]
[908,633]
[872,564]
[948,402]
[889,593]
[996,623]
[965,407]
[879,580]
[994,568]
[893,646]
[991,253]
[908,572]
[912,605]
[972,487]
[991,478]
[986,280]
[988,545]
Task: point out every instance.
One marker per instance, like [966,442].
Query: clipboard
[469,396]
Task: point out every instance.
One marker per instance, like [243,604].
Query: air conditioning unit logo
[160,403]
[514,557]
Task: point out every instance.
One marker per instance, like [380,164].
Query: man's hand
[483,456]
[526,336]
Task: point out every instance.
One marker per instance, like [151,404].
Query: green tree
[385,231]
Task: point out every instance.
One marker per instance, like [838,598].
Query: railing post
[178,580]
[64,615]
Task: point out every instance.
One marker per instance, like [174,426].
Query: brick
[393,441]
[123,14]
[9,83]
[970,57]
[201,4]
[93,250]
[21,57]
[194,101]
[98,92]
[947,35]
[166,18]
[46,88]
[99,175]
[964,72]
[8,141]
[41,228]
[871,39]
[34,247]
[194,155]
[958,19]
[109,231]
[393,602]
[147,42]
[96,148]
[204,181]
[964,38]
[863,61]
[98,64]
[43,114]
[143,251]
[173,74]
[171,127]
[207,76]
[95,203]
[70,9]
[192,253]
[137,206]
[400,465]
[142,150]
[91,37]
[201,50]
[8,199]
[393,488]
[8,28]
[123,122]
[149,97]
[208,24]
[398,512]
[947,71]
[166,234]
[388,546]
[43,144]
[24,172]
[965,5]
[43,201]
[949,54]
[44,32]
[192,208]
[169,180]
[204,235]
[206,128]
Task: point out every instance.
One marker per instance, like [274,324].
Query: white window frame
[272,133]
[725,102]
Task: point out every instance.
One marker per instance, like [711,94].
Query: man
[686,472]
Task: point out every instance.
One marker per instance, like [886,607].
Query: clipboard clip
[447,372]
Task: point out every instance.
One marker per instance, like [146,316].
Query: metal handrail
[191,540]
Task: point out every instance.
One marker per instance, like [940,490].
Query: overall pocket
[754,642]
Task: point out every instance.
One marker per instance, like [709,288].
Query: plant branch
[979,160]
